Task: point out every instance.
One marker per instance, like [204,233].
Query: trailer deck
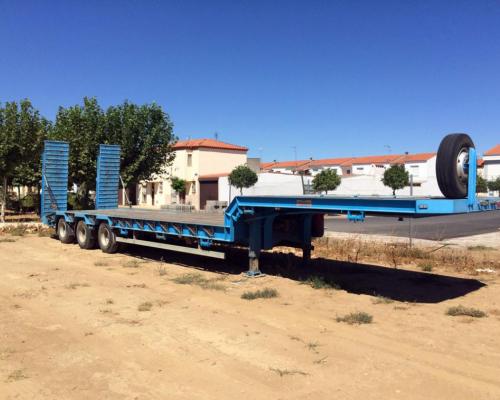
[125,213]
[258,222]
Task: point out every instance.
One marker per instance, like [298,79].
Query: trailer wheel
[451,165]
[65,232]
[107,239]
[85,236]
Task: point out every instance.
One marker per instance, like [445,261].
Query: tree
[326,180]
[178,184]
[83,128]
[242,177]
[22,132]
[144,134]
[494,186]
[481,185]
[396,177]
[33,130]
[8,150]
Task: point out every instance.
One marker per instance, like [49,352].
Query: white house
[491,160]
[200,163]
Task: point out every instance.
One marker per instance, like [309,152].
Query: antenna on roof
[216,135]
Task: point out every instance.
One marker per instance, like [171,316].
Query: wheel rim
[462,164]
[105,237]
[81,234]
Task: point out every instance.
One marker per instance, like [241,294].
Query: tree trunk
[4,199]
[19,209]
[241,191]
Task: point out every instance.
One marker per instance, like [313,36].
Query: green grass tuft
[319,282]
[198,279]
[284,372]
[465,311]
[146,306]
[266,293]
[357,318]
[480,247]
[425,266]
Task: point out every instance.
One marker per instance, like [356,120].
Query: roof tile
[207,143]
[495,151]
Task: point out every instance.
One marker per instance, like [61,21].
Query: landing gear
[452,165]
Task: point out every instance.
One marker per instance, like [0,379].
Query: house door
[209,190]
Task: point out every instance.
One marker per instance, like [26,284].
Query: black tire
[85,236]
[65,232]
[453,153]
[107,239]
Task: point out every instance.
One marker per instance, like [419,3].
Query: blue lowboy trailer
[256,222]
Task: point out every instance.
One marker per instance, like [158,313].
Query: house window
[360,168]
[190,160]
[160,188]
[348,172]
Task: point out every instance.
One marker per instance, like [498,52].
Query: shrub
[319,282]
[146,306]
[266,293]
[465,311]
[426,267]
[358,318]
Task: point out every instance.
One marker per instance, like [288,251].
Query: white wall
[423,170]
[316,170]
[271,184]
[368,185]
[491,167]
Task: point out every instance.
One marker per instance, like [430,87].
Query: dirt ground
[81,324]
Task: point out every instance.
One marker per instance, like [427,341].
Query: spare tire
[452,165]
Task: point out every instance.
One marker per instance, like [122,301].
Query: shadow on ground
[396,284]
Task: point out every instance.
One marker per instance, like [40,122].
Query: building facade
[491,163]
[200,163]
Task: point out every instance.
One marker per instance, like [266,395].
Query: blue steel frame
[249,219]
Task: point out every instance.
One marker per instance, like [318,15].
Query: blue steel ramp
[54,194]
[108,177]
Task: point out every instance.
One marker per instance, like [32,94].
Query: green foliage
[22,132]
[481,185]
[242,177]
[396,177]
[144,134]
[83,128]
[326,180]
[178,184]
[494,185]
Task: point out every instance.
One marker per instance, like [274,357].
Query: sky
[288,79]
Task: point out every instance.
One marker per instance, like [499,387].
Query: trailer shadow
[356,278]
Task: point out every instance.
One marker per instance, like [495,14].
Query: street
[430,228]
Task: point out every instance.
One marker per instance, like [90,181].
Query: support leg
[306,239]
[254,248]
[253,264]
[306,255]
